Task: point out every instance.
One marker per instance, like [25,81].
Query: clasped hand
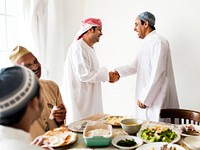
[114,76]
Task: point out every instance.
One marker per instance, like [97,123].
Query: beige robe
[51,96]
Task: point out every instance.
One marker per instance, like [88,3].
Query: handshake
[113,76]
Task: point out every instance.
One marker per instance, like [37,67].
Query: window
[8,29]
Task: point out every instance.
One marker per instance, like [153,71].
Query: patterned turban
[88,24]
[147,16]
[17,53]
[18,85]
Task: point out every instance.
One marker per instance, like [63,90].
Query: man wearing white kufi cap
[81,85]
[20,106]
[155,84]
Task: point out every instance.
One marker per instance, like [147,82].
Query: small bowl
[131,126]
[95,136]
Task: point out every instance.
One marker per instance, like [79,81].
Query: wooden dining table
[80,144]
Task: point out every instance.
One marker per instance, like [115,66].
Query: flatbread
[114,120]
[60,137]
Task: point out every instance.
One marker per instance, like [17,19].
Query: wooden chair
[182,115]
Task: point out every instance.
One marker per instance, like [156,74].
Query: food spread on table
[158,134]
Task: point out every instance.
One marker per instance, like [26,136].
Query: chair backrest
[184,116]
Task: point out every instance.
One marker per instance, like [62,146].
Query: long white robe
[155,84]
[81,85]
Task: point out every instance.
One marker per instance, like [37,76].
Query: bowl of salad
[159,133]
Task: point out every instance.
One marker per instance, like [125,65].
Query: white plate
[197,128]
[158,145]
[77,126]
[193,142]
[123,137]
[173,141]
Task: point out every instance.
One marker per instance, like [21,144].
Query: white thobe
[81,85]
[15,139]
[155,84]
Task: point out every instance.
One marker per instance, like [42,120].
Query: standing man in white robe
[155,84]
[81,85]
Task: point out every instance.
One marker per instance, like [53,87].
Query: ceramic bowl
[131,126]
[97,135]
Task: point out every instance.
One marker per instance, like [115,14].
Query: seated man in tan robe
[51,94]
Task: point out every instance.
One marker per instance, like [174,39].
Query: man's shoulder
[48,82]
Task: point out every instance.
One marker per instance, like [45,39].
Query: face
[95,34]
[140,29]
[31,62]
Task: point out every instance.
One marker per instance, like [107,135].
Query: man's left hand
[141,105]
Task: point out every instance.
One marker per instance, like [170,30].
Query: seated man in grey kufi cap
[20,106]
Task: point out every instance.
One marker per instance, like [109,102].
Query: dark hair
[152,27]
[16,117]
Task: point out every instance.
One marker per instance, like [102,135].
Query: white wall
[177,20]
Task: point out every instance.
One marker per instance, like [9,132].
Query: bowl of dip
[97,135]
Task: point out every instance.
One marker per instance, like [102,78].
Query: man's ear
[34,104]
[146,24]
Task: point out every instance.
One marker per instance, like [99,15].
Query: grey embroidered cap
[147,16]
[18,85]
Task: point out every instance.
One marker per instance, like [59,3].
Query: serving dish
[192,142]
[158,145]
[124,137]
[98,134]
[131,125]
[189,129]
[79,126]
[159,134]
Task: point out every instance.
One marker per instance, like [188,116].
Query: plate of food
[60,137]
[114,120]
[160,146]
[160,133]
[79,126]
[126,142]
[189,129]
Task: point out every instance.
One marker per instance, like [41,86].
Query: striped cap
[18,85]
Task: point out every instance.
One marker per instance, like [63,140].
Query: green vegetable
[150,135]
[126,143]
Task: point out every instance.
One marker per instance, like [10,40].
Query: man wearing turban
[81,85]
[155,84]
[50,94]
